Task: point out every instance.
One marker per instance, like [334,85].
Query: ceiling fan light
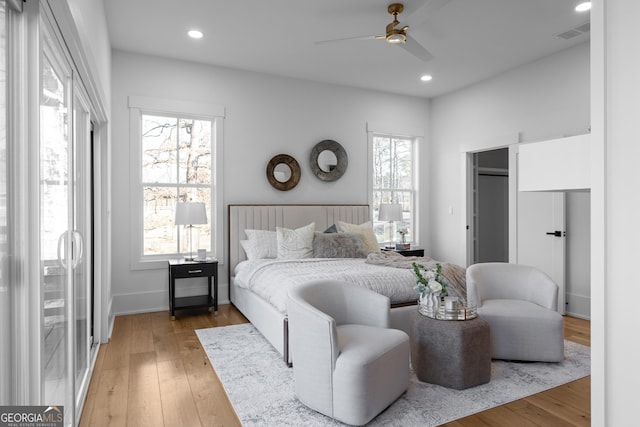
[195,34]
[395,38]
[426,78]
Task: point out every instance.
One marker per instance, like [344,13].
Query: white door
[541,236]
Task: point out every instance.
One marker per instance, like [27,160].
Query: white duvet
[271,279]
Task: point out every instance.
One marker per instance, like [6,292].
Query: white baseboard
[578,306]
[148,302]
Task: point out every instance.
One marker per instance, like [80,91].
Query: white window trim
[418,137]
[139,105]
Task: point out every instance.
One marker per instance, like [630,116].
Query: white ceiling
[470,39]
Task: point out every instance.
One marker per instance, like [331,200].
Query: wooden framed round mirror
[328,160]
[283,172]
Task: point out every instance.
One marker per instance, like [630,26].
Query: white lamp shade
[390,212]
[191,213]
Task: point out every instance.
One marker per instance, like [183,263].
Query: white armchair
[519,302]
[347,364]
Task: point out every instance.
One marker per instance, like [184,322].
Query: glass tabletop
[459,313]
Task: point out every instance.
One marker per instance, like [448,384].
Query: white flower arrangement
[429,281]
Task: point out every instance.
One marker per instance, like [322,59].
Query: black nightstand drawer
[411,252]
[407,252]
[194,270]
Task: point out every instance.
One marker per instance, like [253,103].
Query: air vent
[585,28]
[576,31]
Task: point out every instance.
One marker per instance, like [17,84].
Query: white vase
[429,304]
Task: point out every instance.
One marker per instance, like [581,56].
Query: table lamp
[390,212]
[190,214]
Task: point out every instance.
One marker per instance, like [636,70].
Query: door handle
[555,233]
[61,250]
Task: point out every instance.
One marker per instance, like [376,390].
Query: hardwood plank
[141,333]
[537,416]
[564,404]
[161,323]
[110,402]
[145,406]
[166,346]
[214,407]
[178,406]
[119,348]
[94,385]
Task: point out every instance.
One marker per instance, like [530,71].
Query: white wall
[564,162]
[90,19]
[578,278]
[546,99]
[615,331]
[265,116]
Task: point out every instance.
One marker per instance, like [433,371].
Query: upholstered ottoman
[450,353]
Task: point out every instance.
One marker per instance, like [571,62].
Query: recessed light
[195,34]
[583,7]
[426,78]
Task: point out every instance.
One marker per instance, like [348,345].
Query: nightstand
[181,269]
[408,252]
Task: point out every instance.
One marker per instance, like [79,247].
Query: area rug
[260,385]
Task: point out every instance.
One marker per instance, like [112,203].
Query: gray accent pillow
[338,245]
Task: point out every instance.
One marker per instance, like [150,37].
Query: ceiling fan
[398,35]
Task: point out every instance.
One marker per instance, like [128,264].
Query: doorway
[491,206]
[534,230]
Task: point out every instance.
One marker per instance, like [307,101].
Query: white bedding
[271,279]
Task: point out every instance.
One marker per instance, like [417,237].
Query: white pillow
[365,231]
[294,244]
[260,244]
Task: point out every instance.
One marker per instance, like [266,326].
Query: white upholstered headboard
[268,217]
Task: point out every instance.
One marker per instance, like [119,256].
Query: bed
[258,286]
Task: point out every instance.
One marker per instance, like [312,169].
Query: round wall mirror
[328,160]
[283,172]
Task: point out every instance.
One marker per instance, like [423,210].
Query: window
[177,158]
[176,167]
[393,181]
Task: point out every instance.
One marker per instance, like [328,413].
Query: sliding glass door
[82,246]
[65,230]
[5,296]
[56,236]
[46,222]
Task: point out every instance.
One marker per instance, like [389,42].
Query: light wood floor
[154,373]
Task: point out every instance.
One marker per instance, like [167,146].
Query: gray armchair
[347,364]
[519,303]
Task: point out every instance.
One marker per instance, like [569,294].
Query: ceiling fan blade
[416,49]
[424,12]
[372,37]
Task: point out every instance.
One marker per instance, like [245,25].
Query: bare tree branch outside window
[176,167]
[393,179]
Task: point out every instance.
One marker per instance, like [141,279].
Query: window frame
[139,106]
[377,130]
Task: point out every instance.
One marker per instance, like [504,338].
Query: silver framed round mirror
[283,172]
[328,160]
